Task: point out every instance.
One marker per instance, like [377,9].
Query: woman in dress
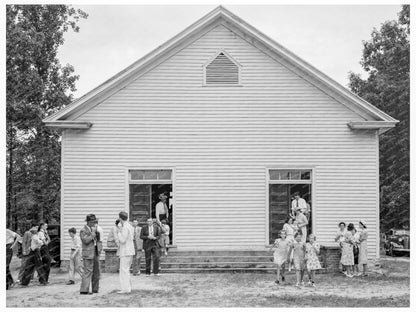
[356,248]
[362,256]
[281,248]
[312,261]
[347,256]
[290,228]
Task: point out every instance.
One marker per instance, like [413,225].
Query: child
[280,247]
[75,258]
[298,248]
[312,261]
[164,237]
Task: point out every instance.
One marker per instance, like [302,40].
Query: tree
[36,86]
[386,59]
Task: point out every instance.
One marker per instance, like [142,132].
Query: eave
[64,124]
[383,126]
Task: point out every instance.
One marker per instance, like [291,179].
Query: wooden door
[279,203]
[140,202]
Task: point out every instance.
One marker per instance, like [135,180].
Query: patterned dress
[362,256]
[280,254]
[312,261]
[299,255]
[347,256]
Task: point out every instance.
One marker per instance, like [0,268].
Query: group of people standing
[292,250]
[353,245]
[35,255]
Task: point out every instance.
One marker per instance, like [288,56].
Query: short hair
[40,226]
[350,227]
[123,215]
[295,194]
[72,230]
[342,222]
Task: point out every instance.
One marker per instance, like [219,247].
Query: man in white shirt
[298,204]
[75,258]
[34,260]
[162,212]
[138,246]
[125,251]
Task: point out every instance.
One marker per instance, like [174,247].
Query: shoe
[147,275]
[95,291]
[85,293]
[70,282]
[283,278]
[313,285]
[302,283]
[309,283]
[364,275]
[277,281]
[297,285]
[349,275]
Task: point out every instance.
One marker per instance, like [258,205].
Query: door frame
[172,181]
[268,182]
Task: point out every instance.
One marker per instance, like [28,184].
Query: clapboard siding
[219,141]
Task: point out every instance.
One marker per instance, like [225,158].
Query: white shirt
[125,236]
[10,236]
[161,208]
[299,203]
[75,242]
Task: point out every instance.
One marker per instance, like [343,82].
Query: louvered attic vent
[221,70]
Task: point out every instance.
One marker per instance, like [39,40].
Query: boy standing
[75,258]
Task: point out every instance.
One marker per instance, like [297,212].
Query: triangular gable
[375,118]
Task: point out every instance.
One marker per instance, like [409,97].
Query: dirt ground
[388,286]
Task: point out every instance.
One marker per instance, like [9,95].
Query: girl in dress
[312,261]
[280,247]
[290,228]
[362,256]
[347,256]
[298,248]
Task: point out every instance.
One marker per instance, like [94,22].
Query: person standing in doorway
[75,258]
[298,203]
[150,234]
[44,250]
[138,247]
[125,251]
[162,212]
[90,255]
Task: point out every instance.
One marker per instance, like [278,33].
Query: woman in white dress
[290,228]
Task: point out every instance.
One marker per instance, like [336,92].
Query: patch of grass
[335,301]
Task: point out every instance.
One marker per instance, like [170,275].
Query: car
[397,241]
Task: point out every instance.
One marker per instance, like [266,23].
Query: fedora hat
[91,217]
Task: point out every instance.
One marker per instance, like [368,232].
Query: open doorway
[283,184]
[145,186]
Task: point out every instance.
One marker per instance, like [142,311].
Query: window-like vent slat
[222,70]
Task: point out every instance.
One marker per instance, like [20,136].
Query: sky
[329,37]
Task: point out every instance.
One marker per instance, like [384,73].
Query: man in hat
[90,255]
[162,212]
[150,234]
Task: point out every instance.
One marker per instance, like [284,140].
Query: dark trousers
[154,252]
[46,260]
[9,255]
[91,274]
[33,261]
[23,266]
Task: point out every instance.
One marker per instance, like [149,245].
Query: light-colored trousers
[75,265]
[125,263]
[304,233]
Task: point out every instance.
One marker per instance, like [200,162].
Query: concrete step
[208,259]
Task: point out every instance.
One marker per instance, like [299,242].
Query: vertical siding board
[221,140]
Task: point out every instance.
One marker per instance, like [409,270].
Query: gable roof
[374,118]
